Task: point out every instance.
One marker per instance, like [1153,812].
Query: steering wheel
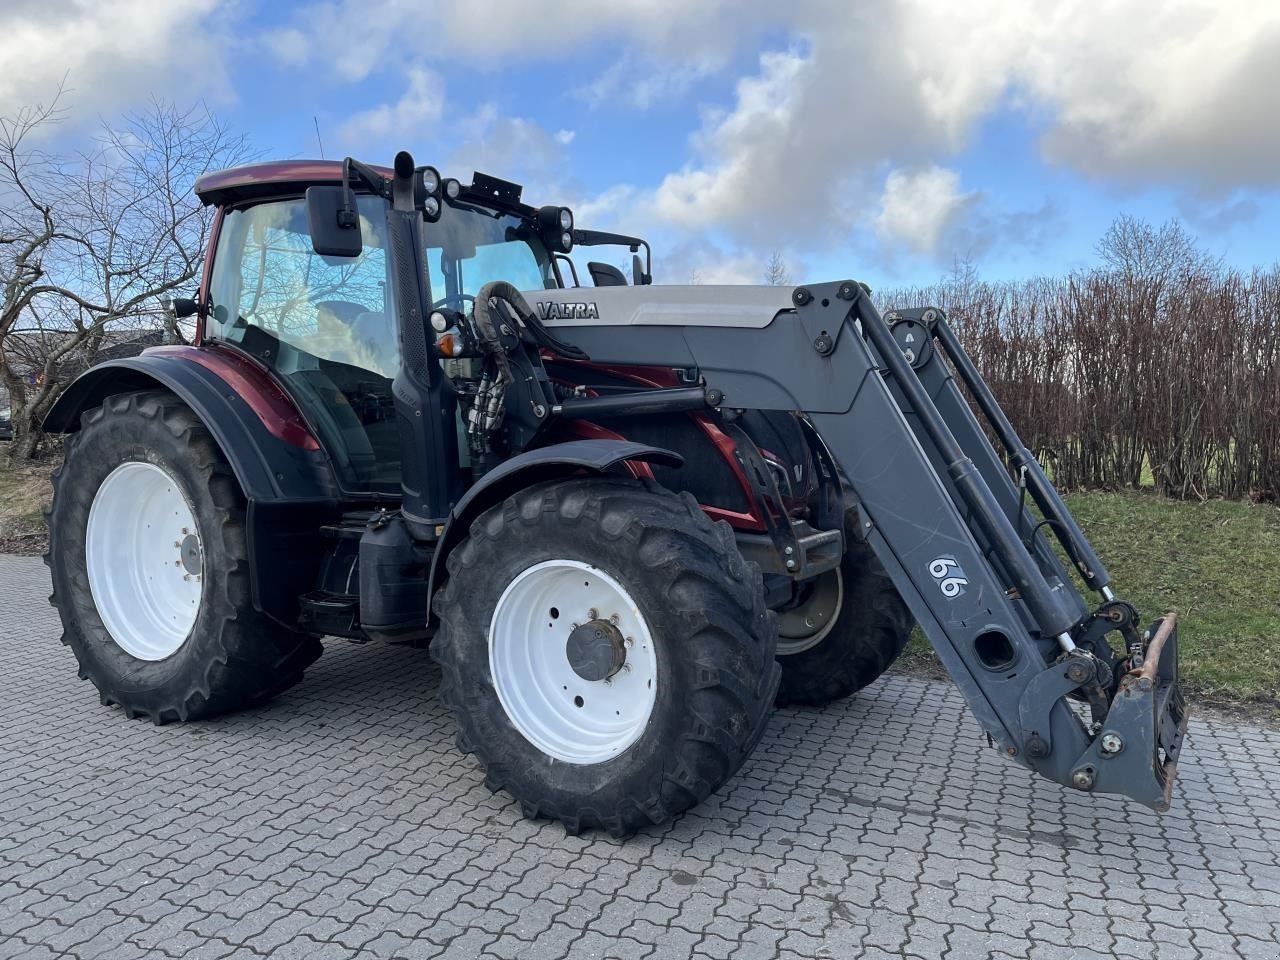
[444,301]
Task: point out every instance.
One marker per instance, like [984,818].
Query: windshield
[469,246]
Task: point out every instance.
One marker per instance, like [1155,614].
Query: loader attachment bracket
[1136,752]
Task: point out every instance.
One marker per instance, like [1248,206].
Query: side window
[332,308]
[324,325]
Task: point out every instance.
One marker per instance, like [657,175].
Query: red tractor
[627,519]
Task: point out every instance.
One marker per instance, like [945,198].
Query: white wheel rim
[806,626]
[146,591]
[563,715]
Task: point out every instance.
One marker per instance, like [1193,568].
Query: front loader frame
[950,526]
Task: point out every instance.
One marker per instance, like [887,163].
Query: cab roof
[275,178]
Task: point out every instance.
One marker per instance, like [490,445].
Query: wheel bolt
[629,642]
[593,614]
[615,619]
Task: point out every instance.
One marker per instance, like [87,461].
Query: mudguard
[273,454]
[534,466]
[286,477]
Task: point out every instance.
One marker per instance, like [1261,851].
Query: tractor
[625,519]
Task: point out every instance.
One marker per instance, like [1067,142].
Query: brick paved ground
[341,821]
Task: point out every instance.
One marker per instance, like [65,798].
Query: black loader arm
[954,531]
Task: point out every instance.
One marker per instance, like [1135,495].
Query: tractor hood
[692,306]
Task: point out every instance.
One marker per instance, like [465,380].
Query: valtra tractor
[626,519]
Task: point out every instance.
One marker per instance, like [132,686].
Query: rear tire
[187,642]
[518,588]
[870,629]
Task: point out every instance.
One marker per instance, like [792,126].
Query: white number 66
[951,579]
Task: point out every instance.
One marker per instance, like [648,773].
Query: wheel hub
[807,624]
[189,554]
[596,650]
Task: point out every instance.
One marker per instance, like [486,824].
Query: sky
[883,140]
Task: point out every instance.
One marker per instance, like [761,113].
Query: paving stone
[340,821]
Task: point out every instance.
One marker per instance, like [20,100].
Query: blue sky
[880,140]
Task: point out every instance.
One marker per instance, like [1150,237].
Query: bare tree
[776,272]
[90,241]
[1137,250]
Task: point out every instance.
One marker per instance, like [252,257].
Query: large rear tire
[606,652]
[845,631]
[148,555]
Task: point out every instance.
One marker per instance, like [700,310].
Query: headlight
[452,188]
[566,241]
[430,180]
[566,219]
[439,322]
[431,207]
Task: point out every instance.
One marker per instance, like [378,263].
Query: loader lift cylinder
[1044,493]
[1050,615]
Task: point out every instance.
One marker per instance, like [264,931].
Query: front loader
[625,519]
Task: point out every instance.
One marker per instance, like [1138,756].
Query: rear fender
[285,476]
[273,453]
[536,466]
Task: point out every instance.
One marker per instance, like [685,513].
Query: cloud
[1151,90]
[1170,92]
[642,82]
[919,207]
[421,103]
[357,36]
[112,55]
[513,148]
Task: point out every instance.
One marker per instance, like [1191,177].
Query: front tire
[148,556]
[606,652]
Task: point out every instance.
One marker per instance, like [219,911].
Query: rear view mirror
[330,236]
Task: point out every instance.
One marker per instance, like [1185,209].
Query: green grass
[1216,563]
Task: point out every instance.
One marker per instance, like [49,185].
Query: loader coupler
[1136,752]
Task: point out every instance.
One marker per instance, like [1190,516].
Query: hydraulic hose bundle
[499,331]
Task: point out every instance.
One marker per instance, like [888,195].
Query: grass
[24,491]
[1216,563]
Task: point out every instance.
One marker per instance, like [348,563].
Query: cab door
[326,327]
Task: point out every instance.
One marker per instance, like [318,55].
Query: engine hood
[691,306]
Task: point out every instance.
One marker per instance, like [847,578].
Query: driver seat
[606,275]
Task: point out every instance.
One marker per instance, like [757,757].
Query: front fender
[535,466]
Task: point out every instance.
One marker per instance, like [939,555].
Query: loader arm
[948,523]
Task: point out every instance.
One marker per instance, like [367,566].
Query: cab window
[470,246]
[324,325]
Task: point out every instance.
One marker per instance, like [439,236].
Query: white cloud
[1174,90]
[421,103]
[513,148]
[1178,92]
[641,82]
[919,207]
[357,36]
[111,55]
